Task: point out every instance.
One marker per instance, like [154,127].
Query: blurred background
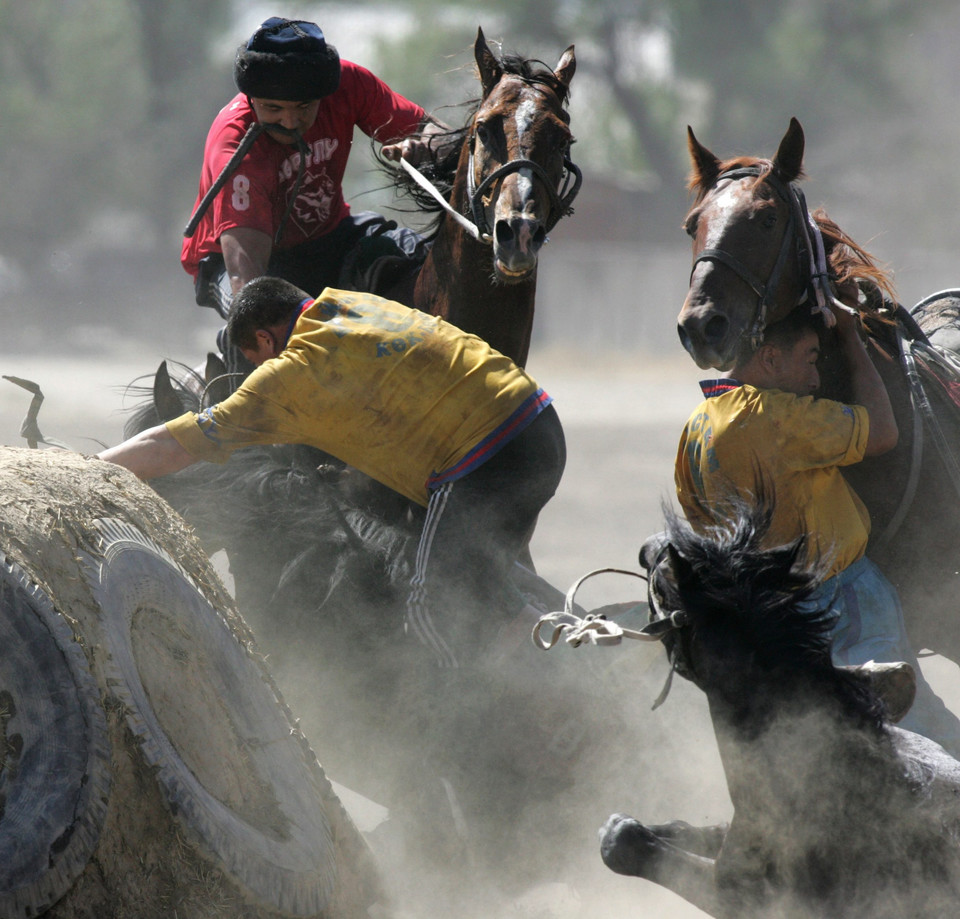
[106,103]
[104,110]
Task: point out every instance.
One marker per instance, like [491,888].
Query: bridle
[561,199]
[801,235]
[664,625]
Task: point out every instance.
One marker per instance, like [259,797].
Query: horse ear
[681,568]
[487,64]
[165,398]
[215,376]
[706,166]
[566,67]
[788,163]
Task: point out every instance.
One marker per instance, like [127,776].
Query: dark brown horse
[757,256]
[837,812]
[514,179]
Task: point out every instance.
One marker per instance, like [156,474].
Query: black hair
[786,332]
[260,304]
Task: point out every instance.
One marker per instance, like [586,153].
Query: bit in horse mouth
[505,272]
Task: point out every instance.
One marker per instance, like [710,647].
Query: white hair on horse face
[524,120]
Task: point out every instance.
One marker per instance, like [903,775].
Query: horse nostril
[715,329]
[539,238]
[503,232]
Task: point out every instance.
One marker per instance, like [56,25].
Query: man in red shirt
[281,209]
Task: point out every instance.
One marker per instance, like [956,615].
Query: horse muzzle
[707,334]
[516,246]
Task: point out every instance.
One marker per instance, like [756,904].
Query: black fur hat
[288,60]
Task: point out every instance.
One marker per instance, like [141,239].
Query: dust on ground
[622,414]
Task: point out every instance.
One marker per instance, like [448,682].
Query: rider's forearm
[870,392]
[246,254]
[150,454]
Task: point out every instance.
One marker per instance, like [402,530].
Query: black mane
[726,580]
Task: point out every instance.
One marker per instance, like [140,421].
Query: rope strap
[594,628]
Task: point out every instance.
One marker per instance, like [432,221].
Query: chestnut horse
[515,180]
[758,254]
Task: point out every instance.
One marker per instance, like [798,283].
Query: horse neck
[456,283]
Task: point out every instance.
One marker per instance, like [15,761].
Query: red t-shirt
[256,195]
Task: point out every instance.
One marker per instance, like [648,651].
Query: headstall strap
[796,214]
[560,201]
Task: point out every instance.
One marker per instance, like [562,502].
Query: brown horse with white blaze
[515,179]
[758,254]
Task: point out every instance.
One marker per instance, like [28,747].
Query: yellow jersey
[742,439]
[404,397]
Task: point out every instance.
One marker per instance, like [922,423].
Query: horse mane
[726,579]
[763,166]
[442,170]
[854,270]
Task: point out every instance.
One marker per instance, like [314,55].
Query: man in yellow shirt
[762,429]
[430,411]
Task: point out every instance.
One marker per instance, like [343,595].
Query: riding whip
[253,132]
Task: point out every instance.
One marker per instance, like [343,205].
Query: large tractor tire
[148,766]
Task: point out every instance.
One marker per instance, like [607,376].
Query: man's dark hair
[786,332]
[260,304]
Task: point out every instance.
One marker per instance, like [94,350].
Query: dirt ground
[622,415]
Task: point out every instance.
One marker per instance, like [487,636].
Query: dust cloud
[622,410]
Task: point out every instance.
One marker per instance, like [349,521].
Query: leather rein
[561,199]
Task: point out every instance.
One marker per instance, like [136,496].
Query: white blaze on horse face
[723,208]
[524,120]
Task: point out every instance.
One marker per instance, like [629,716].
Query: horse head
[517,158]
[747,227]
[736,622]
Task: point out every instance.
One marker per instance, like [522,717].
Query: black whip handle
[253,132]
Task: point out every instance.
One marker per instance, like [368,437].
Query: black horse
[837,812]
[322,579]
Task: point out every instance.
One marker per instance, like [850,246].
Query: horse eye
[483,133]
[690,226]
[770,221]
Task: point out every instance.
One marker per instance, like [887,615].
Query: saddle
[380,266]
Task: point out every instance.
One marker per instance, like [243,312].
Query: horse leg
[630,848]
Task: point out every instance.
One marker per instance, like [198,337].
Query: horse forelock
[537,73]
[730,579]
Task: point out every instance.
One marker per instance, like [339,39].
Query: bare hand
[412,149]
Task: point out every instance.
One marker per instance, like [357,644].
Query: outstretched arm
[149,454]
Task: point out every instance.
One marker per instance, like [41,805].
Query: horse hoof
[627,846]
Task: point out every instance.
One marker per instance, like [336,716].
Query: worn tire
[194,792]
[209,725]
[54,751]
